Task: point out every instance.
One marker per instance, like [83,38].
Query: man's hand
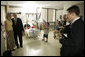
[23,32]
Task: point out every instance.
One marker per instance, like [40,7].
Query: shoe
[54,37]
[46,41]
[42,39]
[13,49]
[21,46]
[17,46]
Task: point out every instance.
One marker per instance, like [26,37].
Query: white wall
[81,6]
[23,16]
[2,14]
[50,15]
[3,41]
[44,14]
[58,13]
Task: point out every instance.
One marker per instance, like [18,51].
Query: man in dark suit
[73,45]
[18,30]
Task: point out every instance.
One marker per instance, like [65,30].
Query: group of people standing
[72,44]
[72,35]
[13,28]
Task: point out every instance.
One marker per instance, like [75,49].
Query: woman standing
[9,33]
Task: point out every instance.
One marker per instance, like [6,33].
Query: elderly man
[18,30]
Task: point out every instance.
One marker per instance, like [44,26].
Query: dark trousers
[71,51]
[19,34]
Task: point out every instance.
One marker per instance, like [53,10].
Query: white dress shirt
[75,20]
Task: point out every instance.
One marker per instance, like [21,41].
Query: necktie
[15,21]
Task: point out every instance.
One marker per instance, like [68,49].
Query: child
[46,31]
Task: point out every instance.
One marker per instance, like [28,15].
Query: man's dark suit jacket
[74,45]
[18,27]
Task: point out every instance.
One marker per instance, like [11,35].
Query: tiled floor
[38,47]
